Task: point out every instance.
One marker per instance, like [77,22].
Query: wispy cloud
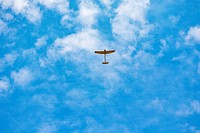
[22,77]
[7,16]
[88,12]
[31,9]
[186,110]
[4,84]
[8,60]
[3,26]
[41,41]
[75,44]
[130,20]
[24,7]
[193,34]
[78,99]
[60,5]
[45,101]
[47,128]
[107,3]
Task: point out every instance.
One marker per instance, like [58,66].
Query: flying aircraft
[104,52]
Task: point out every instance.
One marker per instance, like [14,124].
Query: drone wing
[110,51]
[100,52]
[105,52]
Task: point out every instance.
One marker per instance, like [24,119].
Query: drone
[104,52]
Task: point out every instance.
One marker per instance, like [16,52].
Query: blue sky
[52,82]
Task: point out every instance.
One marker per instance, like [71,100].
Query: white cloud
[3,26]
[68,21]
[46,101]
[41,41]
[95,126]
[6,31]
[156,104]
[190,128]
[33,14]
[8,60]
[24,7]
[174,19]
[144,61]
[29,53]
[31,10]
[178,58]
[198,68]
[78,98]
[79,48]
[130,21]
[4,84]
[88,12]
[2,65]
[52,78]
[7,16]
[6,3]
[195,106]
[20,5]
[22,77]
[60,5]
[74,47]
[107,3]
[193,34]
[47,128]
[86,39]
[163,48]
[185,110]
